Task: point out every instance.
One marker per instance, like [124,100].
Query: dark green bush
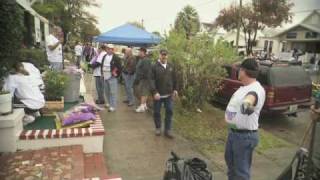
[37,57]
[199,62]
[11,29]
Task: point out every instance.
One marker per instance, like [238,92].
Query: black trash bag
[191,169]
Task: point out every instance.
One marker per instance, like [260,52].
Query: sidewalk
[131,148]
[133,151]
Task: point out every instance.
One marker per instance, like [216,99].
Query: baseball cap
[251,66]
[163,51]
[143,49]
[111,46]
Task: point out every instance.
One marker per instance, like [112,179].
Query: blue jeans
[168,105]
[99,88]
[111,89]
[238,154]
[128,83]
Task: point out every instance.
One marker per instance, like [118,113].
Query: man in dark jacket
[142,80]
[128,72]
[164,88]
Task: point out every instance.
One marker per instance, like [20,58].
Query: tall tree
[188,21]
[88,31]
[69,14]
[255,16]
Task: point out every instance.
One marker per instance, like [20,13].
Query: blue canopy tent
[129,35]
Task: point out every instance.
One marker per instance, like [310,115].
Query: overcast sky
[158,15]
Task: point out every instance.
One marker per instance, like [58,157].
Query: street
[291,129]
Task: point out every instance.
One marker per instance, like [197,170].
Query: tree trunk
[249,44]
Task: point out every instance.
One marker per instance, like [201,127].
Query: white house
[37,26]
[303,33]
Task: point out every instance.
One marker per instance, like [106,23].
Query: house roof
[297,20]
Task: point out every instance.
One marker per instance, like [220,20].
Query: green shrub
[37,57]
[199,63]
[55,84]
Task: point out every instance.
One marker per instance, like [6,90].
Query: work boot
[168,134]
[130,104]
[111,109]
[140,109]
[27,119]
[158,132]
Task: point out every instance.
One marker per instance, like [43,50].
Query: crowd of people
[142,79]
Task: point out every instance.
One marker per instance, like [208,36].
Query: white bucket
[5,103]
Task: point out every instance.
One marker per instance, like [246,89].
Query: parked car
[288,87]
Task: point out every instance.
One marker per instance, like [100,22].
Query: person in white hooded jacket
[18,84]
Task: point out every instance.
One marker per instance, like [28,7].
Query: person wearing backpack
[96,65]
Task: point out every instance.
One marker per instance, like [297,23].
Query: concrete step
[91,138]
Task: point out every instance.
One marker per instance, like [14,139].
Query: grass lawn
[208,130]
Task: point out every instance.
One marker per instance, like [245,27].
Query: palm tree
[188,21]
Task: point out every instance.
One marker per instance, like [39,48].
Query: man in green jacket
[164,89]
[142,80]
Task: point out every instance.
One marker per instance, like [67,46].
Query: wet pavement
[133,151]
[291,129]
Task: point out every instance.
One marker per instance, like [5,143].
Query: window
[289,76]
[265,45]
[311,35]
[291,35]
[270,46]
[284,47]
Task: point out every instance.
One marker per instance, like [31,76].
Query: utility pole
[238,24]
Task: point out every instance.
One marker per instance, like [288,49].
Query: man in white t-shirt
[54,48]
[110,71]
[78,53]
[242,115]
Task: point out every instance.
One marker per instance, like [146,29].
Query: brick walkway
[58,163]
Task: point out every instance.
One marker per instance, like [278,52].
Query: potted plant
[5,96]
[55,85]
[5,102]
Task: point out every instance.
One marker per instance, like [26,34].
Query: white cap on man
[111,46]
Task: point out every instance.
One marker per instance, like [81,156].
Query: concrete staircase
[55,163]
